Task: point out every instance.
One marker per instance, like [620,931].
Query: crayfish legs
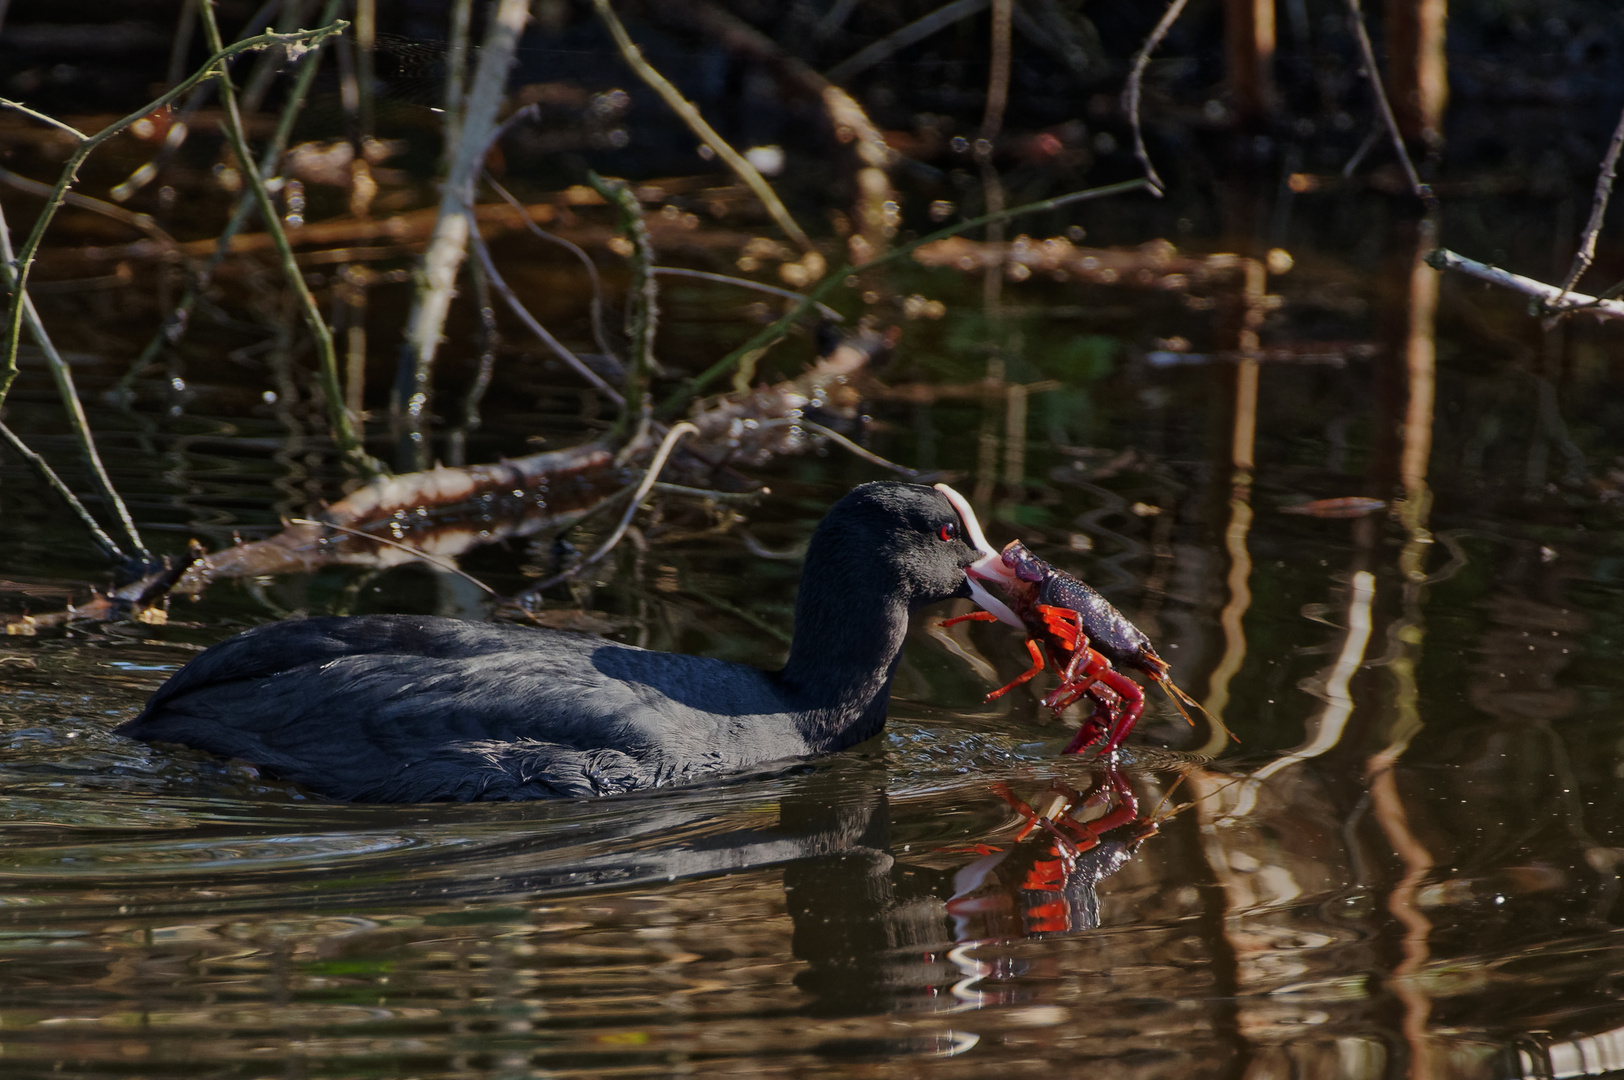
[1084,673]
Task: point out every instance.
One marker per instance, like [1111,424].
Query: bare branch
[677,432]
[1598,210]
[1356,19]
[1551,298]
[482,253]
[1130,94]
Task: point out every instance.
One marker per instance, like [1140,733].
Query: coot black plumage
[406,708]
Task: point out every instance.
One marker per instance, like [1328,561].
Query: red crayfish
[1082,635]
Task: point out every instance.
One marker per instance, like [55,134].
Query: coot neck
[841,660]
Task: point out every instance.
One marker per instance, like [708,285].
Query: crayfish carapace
[1081,634]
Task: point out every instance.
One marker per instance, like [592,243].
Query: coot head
[906,542]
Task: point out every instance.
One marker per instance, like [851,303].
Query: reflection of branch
[696,123]
[433,560]
[1551,298]
[1130,95]
[1356,18]
[1598,210]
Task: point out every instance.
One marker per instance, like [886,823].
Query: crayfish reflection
[1046,881]
[876,928]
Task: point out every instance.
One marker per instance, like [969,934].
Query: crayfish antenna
[1180,699]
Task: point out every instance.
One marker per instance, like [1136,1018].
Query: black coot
[406,708]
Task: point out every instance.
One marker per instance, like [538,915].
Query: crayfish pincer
[1081,634]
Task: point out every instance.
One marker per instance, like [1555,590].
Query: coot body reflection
[405,708]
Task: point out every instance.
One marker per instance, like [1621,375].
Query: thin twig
[1598,210]
[436,560]
[143,222]
[483,254]
[338,414]
[1130,95]
[24,264]
[770,335]
[591,268]
[62,375]
[103,541]
[655,466]
[836,437]
[1356,19]
[1551,298]
[696,123]
[897,40]
[745,283]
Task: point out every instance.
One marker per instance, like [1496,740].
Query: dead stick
[1356,19]
[1130,94]
[1598,210]
[1550,297]
[482,253]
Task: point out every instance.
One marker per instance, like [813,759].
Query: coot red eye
[949,531]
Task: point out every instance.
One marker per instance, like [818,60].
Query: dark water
[1408,865]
